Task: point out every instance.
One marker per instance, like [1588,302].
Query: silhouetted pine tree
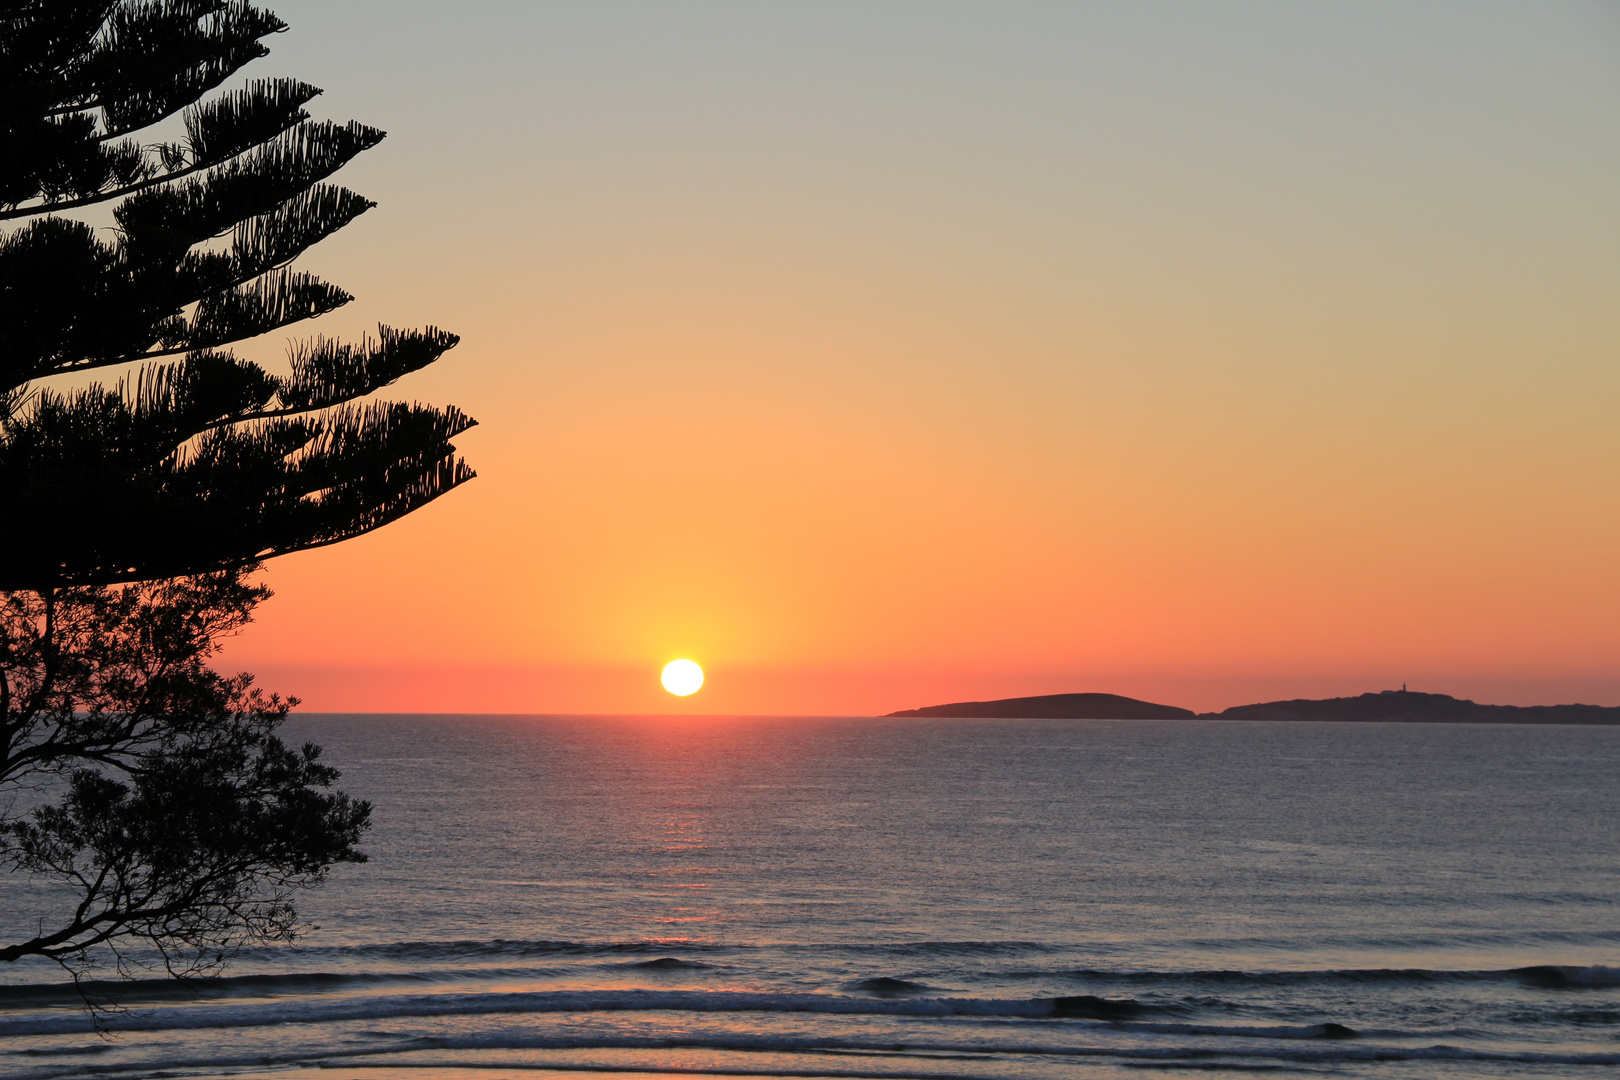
[151,789]
[195,460]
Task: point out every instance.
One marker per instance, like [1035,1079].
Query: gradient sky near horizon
[881,354]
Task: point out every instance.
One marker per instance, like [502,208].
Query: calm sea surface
[923,898]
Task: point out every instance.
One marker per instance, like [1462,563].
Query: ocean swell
[328,1010]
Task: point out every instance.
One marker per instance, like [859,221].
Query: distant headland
[1057,707]
[1388,706]
[1411,707]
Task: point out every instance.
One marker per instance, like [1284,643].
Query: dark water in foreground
[923,898]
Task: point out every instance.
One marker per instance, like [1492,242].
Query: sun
[682,677]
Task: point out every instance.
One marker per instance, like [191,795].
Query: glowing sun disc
[682,677]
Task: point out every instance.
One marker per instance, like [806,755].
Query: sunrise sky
[875,355]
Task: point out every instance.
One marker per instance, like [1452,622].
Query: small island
[1387,706]
[1056,707]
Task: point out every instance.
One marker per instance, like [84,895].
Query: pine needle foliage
[205,461]
[151,792]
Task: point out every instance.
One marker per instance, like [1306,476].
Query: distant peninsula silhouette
[1412,707]
[1387,706]
[1057,707]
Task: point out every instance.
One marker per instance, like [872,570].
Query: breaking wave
[330,1010]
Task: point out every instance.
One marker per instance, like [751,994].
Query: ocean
[918,898]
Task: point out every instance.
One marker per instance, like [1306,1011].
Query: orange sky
[880,355]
